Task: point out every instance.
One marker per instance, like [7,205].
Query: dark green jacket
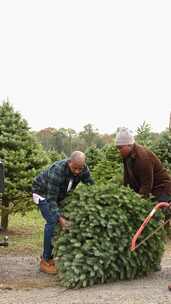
[52,184]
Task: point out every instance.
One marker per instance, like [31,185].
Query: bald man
[49,190]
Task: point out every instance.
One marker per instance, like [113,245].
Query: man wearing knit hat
[143,170]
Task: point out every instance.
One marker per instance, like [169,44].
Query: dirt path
[21,282]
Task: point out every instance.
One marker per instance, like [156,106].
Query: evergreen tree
[163,148]
[55,156]
[22,156]
[93,156]
[144,135]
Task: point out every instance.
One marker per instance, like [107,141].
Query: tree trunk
[4,220]
[4,217]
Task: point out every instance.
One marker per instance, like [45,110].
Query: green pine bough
[96,249]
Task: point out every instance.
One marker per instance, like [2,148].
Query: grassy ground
[25,234]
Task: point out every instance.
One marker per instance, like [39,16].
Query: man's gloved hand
[65,224]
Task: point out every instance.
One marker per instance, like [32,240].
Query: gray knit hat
[124,137]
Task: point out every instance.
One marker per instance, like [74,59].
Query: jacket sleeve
[125,175]
[146,177]
[86,177]
[53,189]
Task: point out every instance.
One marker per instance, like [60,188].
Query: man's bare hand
[65,224]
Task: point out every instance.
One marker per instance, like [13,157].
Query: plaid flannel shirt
[53,182]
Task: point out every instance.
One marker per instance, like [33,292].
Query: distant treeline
[67,140]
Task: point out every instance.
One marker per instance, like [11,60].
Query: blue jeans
[50,215]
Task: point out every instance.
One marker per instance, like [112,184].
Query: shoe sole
[47,272]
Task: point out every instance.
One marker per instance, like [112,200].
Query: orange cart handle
[147,219]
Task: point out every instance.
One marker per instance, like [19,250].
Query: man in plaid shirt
[49,190]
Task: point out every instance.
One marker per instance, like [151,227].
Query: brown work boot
[51,262]
[46,267]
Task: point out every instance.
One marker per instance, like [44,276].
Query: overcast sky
[68,63]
